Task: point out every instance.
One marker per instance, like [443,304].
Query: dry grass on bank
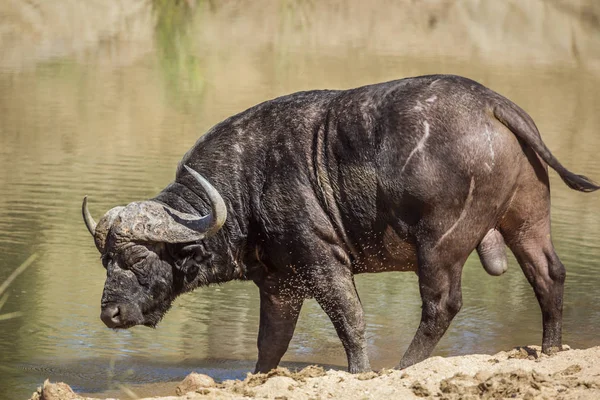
[4,286]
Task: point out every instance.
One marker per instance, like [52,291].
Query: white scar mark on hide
[391,90]
[463,213]
[432,82]
[491,147]
[420,106]
[419,145]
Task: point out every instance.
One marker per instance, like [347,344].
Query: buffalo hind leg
[336,293]
[535,253]
[526,229]
[440,287]
[278,317]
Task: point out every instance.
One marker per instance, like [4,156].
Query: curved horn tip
[87,217]
[219,209]
[198,176]
[192,171]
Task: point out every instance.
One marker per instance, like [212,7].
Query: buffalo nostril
[111,316]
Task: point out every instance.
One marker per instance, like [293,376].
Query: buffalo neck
[226,245]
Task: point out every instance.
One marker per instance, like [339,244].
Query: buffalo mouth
[121,316]
[125,316]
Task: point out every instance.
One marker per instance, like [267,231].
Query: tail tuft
[579,182]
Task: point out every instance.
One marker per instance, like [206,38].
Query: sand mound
[522,373]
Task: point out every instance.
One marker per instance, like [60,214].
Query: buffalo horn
[87,217]
[211,223]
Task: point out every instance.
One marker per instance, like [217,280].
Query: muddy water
[112,120]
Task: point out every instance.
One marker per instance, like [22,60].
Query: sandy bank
[537,32]
[522,373]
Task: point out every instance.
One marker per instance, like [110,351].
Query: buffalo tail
[524,128]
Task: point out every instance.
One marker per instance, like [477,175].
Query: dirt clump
[518,384]
[524,353]
[420,390]
[365,376]
[194,383]
[54,391]
[312,371]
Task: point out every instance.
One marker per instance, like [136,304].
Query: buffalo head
[152,253]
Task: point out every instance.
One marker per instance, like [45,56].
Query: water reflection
[176,24]
[113,121]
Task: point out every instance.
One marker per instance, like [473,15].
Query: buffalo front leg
[440,287]
[335,292]
[278,317]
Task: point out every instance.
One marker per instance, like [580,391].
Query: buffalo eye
[136,261]
[135,255]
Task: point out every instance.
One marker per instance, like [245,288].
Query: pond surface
[114,123]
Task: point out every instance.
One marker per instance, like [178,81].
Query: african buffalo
[308,189]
